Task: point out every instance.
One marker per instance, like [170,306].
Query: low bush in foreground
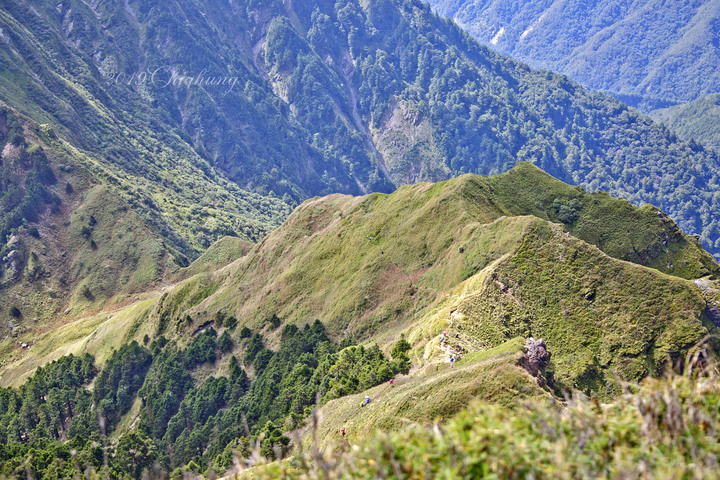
[665,428]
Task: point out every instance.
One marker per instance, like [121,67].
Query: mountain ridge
[650,54]
[443,284]
[304,264]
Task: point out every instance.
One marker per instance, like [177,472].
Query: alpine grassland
[377,313]
[660,428]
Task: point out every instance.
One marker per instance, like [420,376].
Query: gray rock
[536,357]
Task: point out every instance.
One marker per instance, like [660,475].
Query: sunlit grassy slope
[87,242]
[483,258]
[660,429]
[433,392]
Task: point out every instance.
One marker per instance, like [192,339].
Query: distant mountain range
[650,54]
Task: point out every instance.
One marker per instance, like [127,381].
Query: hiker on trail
[391,380]
[442,337]
[452,360]
[367,400]
[342,432]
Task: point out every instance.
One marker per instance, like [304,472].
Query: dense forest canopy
[330,97]
[182,421]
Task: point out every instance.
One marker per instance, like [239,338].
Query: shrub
[274,321]
[231,322]
[225,343]
[400,348]
[202,349]
[219,318]
[567,213]
[17,140]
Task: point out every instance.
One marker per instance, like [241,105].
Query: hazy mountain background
[661,57]
[650,53]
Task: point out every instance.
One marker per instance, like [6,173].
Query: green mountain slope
[662,424]
[488,261]
[651,54]
[433,392]
[61,232]
[409,250]
[317,97]
[510,273]
[77,237]
[698,120]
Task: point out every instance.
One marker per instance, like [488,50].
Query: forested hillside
[182,420]
[649,53]
[77,237]
[698,121]
[294,100]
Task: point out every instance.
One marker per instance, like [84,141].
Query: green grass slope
[98,334]
[666,426]
[605,319]
[645,235]
[432,255]
[219,254]
[431,393]
[70,244]
[406,248]
[477,256]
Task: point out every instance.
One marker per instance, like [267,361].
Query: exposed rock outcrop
[536,357]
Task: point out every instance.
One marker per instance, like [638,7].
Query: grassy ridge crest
[483,254]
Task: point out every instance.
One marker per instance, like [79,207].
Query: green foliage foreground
[664,428]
